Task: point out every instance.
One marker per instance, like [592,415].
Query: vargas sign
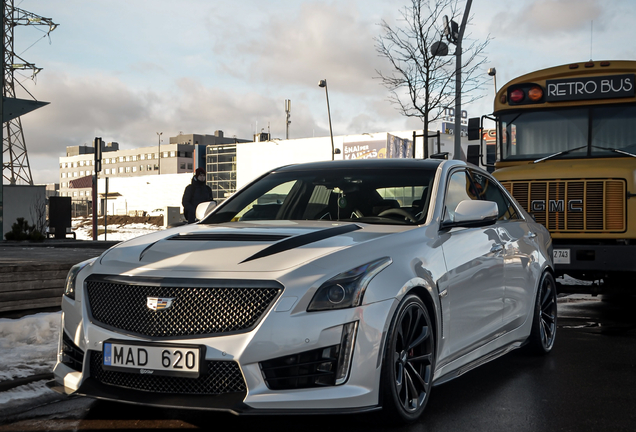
[392,147]
[612,86]
[364,150]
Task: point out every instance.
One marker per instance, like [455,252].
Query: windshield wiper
[615,150]
[559,154]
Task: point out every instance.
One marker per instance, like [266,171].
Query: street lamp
[493,73]
[454,34]
[323,83]
[159,153]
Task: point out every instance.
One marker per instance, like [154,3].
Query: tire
[544,323]
[409,357]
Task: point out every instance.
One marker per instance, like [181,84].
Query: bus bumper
[604,268]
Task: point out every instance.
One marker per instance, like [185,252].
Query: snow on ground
[28,346]
[115,232]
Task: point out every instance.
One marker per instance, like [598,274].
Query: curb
[9,384]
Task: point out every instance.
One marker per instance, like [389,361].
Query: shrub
[21,230]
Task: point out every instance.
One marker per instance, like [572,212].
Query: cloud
[320,40]
[85,107]
[547,18]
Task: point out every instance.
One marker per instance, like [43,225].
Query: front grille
[573,205]
[72,355]
[217,377]
[195,311]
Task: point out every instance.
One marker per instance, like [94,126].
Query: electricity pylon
[16,168]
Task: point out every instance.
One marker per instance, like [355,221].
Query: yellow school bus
[566,150]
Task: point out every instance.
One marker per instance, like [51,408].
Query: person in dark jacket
[194,194]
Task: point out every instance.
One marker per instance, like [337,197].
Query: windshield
[539,134]
[387,196]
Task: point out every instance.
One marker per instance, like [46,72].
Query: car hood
[244,247]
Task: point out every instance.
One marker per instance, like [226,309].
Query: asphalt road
[586,384]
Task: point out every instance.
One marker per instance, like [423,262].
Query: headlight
[347,289]
[69,286]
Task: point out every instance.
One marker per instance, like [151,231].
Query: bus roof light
[605,63]
[517,96]
[589,64]
[574,66]
[503,98]
[535,94]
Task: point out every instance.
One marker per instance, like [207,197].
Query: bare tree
[421,84]
[38,213]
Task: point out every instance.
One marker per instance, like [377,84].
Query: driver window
[460,188]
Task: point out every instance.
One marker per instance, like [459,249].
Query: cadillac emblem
[159,303]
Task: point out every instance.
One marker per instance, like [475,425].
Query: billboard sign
[392,147]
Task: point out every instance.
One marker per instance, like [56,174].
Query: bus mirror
[474,127]
[472,154]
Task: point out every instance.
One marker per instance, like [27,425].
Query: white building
[255,158]
[135,195]
[134,183]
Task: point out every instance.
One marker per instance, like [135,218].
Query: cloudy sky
[125,70]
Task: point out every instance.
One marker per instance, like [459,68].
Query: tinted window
[377,196]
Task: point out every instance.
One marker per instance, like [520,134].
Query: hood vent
[229,237]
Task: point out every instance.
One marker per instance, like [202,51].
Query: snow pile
[120,232]
[28,346]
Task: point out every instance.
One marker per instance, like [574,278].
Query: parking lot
[585,384]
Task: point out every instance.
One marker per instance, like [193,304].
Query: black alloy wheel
[407,373]
[544,324]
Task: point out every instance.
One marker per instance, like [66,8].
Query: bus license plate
[167,359]
[561,256]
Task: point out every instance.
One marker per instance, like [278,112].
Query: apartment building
[183,154]
[77,167]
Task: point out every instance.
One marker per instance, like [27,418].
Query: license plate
[151,359]
[561,256]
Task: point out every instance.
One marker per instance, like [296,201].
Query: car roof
[364,164]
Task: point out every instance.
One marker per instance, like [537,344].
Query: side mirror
[204,209]
[473,213]
[472,154]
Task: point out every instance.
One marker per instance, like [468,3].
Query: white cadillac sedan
[327,287]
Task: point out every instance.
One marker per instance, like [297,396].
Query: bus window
[537,134]
[613,128]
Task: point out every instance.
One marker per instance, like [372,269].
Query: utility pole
[287,120]
[17,164]
[97,148]
[323,83]
[10,107]
[458,84]
[2,135]
[159,153]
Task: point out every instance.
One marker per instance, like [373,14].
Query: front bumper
[232,403]
[279,334]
